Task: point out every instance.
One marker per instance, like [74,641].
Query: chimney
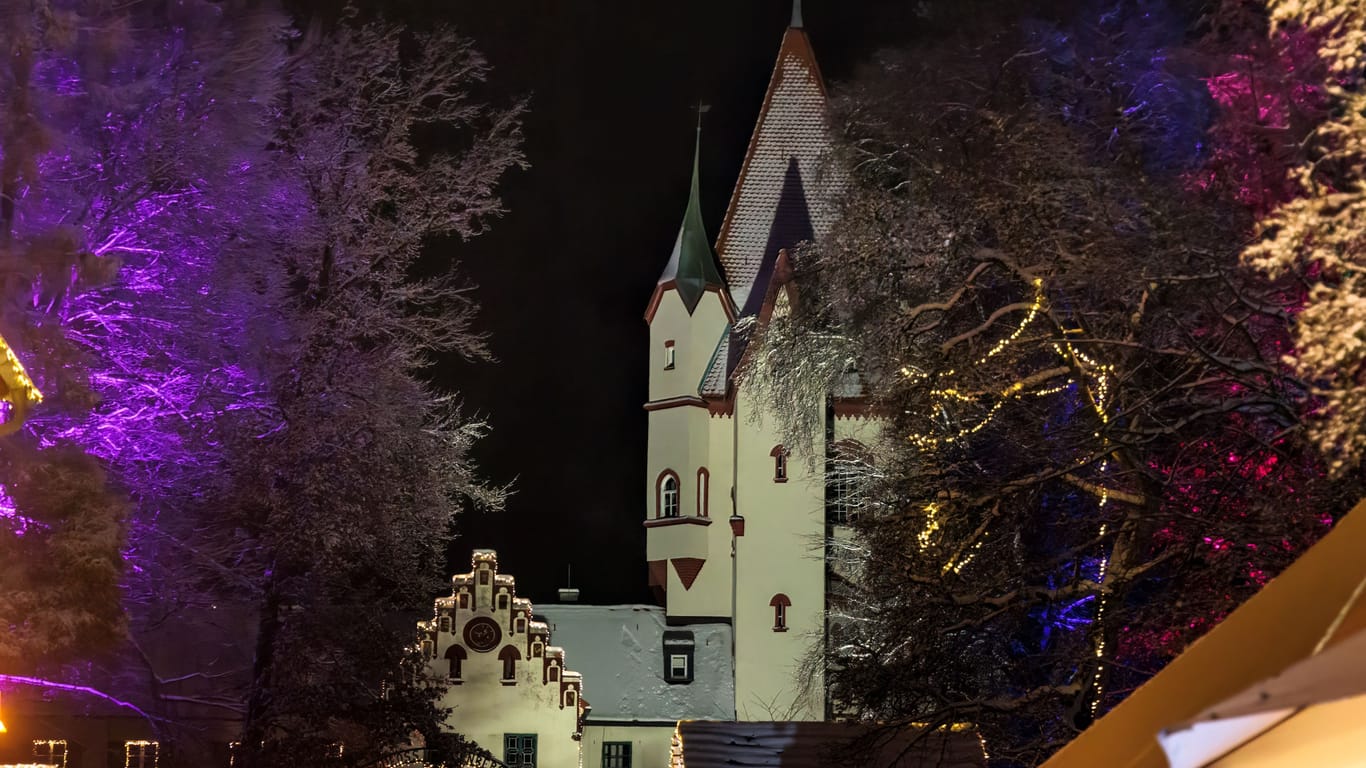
[569,593]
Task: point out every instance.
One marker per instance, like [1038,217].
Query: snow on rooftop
[619,649]
[790,130]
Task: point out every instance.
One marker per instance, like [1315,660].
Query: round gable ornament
[483,634]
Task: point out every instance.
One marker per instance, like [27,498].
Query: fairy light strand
[1098,380]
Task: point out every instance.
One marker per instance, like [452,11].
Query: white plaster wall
[694,337]
[483,707]
[680,439]
[649,743]
[781,552]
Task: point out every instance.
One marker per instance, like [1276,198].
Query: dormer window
[678,656]
[669,355]
[667,495]
[779,455]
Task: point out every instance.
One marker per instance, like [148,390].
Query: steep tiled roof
[772,206]
[714,380]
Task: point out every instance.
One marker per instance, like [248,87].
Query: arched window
[703,485]
[521,625]
[846,470]
[536,649]
[780,604]
[569,698]
[509,657]
[554,673]
[445,623]
[666,495]
[502,601]
[455,655]
[779,455]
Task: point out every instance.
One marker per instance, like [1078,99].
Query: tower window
[779,455]
[669,355]
[780,604]
[703,483]
[667,499]
[502,601]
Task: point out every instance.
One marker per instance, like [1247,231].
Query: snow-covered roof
[619,649]
[773,206]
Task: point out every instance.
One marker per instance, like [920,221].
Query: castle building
[736,531]
[736,523]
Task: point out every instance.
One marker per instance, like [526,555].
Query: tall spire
[796,14]
[692,266]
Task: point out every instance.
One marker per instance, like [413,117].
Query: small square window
[678,656]
[50,752]
[519,749]
[140,754]
[616,754]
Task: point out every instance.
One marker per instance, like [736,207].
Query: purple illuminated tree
[208,261]
[1093,451]
[127,136]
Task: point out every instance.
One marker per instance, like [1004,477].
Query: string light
[1098,377]
[931,525]
[30,390]
[139,749]
[51,750]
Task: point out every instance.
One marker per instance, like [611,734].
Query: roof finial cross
[796,14]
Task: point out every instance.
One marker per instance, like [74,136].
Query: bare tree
[1092,450]
[347,485]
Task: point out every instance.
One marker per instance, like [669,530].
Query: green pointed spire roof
[692,267]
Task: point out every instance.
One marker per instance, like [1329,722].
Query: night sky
[564,278]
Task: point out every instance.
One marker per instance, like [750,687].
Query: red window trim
[779,454]
[780,603]
[668,364]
